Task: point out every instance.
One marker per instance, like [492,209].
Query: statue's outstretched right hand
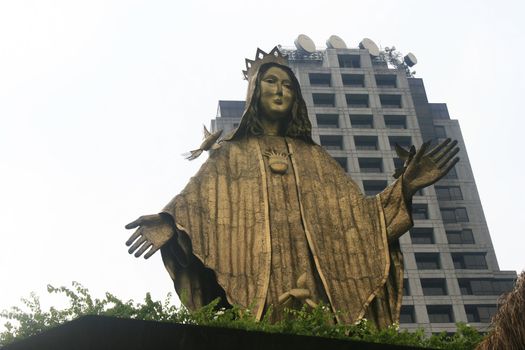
[153,232]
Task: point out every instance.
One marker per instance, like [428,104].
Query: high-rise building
[360,108]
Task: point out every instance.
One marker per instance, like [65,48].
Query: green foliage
[314,322]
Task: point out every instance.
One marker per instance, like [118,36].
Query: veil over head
[298,125]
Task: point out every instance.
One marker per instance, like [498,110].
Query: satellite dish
[335,42]
[304,43]
[410,59]
[367,44]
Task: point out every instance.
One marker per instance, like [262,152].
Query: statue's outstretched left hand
[153,232]
[427,167]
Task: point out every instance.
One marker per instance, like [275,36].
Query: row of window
[468,286]
[375,165]
[364,143]
[370,143]
[444,313]
[425,235]
[353,80]
[361,121]
[462,261]
[366,121]
[366,165]
[357,100]
[449,215]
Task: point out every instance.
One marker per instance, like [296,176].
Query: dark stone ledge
[100,333]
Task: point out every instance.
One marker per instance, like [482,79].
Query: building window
[427,261]
[407,314]
[357,100]
[360,121]
[327,120]
[373,187]
[342,162]
[331,142]
[320,79]
[464,236]
[390,101]
[353,80]
[324,100]
[366,143]
[480,313]
[454,215]
[371,165]
[349,61]
[406,287]
[419,211]
[448,193]
[440,313]
[434,286]
[439,131]
[386,80]
[485,286]
[452,174]
[422,235]
[403,141]
[469,261]
[395,121]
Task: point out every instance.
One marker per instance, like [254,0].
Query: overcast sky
[99,99]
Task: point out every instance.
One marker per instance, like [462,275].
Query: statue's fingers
[450,166]
[152,251]
[443,162]
[445,151]
[142,249]
[300,293]
[144,219]
[438,147]
[133,237]
[311,303]
[134,224]
[137,244]
[283,298]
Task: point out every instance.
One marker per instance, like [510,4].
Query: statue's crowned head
[273,92]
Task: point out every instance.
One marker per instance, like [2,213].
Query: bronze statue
[272,219]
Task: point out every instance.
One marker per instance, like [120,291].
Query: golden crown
[261,57]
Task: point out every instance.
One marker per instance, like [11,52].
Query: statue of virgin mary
[271,219]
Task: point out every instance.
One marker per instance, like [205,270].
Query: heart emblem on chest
[278,161]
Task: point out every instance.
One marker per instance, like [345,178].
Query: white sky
[98,99]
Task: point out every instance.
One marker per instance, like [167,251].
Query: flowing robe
[229,241]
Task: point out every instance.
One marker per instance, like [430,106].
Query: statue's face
[277,94]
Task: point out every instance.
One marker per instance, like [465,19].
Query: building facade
[360,108]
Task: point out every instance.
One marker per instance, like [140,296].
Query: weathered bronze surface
[271,219]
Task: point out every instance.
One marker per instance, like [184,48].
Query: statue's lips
[278,101]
